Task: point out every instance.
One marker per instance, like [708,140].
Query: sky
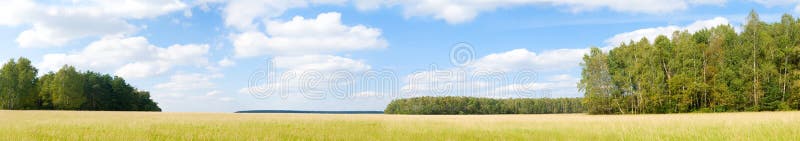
[226,56]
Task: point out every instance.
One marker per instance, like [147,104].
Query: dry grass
[67,125]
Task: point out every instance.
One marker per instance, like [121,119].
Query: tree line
[711,70]
[67,89]
[452,105]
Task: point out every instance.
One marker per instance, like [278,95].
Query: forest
[67,89]
[712,70]
[459,105]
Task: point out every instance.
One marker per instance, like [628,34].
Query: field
[70,125]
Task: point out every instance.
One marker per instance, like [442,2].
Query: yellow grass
[68,125]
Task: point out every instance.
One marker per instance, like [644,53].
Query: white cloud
[190,81]
[190,54]
[132,57]
[214,100]
[226,62]
[191,88]
[213,93]
[134,9]
[226,99]
[58,30]
[141,69]
[451,82]
[103,54]
[796,8]
[321,63]
[503,75]
[652,33]
[536,86]
[459,11]
[244,14]
[188,89]
[241,14]
[55,25]
[562,77]
[310,75]
[455,82]
[565,88]
[365,94]
[325,34]
[708,2]
[771,3]
[13,12]
[204,4]
[522,59]
[365,5]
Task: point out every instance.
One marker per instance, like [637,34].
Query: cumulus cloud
[444,82]
[13,12]
[500,75]
[142,69]
[55,25]
[245,14]
[131,57]
[213,93]
[561,88]
[455,82]
[368,94]
[191,81]
[226,62]
[558,81]
[137,9]
[325,34]
[303,45]
[191,88]
[771,3]
[517,73]
[241,14]
[652,33]
[522,59]
[322,63]
[187,100]
[312,77]
[459,11]
[55,31]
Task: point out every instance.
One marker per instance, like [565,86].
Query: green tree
[46,86]
[596,83]
[97,90]
[710,70]
[68,90]
[122,95]
[18,85]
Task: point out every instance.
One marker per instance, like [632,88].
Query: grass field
[68,125]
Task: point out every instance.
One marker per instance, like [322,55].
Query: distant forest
[67,89]
[453,105]
[711,70]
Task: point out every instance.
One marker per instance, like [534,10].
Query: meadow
[84,125]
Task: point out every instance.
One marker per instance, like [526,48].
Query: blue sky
[207,55]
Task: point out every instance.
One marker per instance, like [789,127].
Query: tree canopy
[67,89]
[710,70]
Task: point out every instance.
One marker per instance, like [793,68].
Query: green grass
[70,125]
